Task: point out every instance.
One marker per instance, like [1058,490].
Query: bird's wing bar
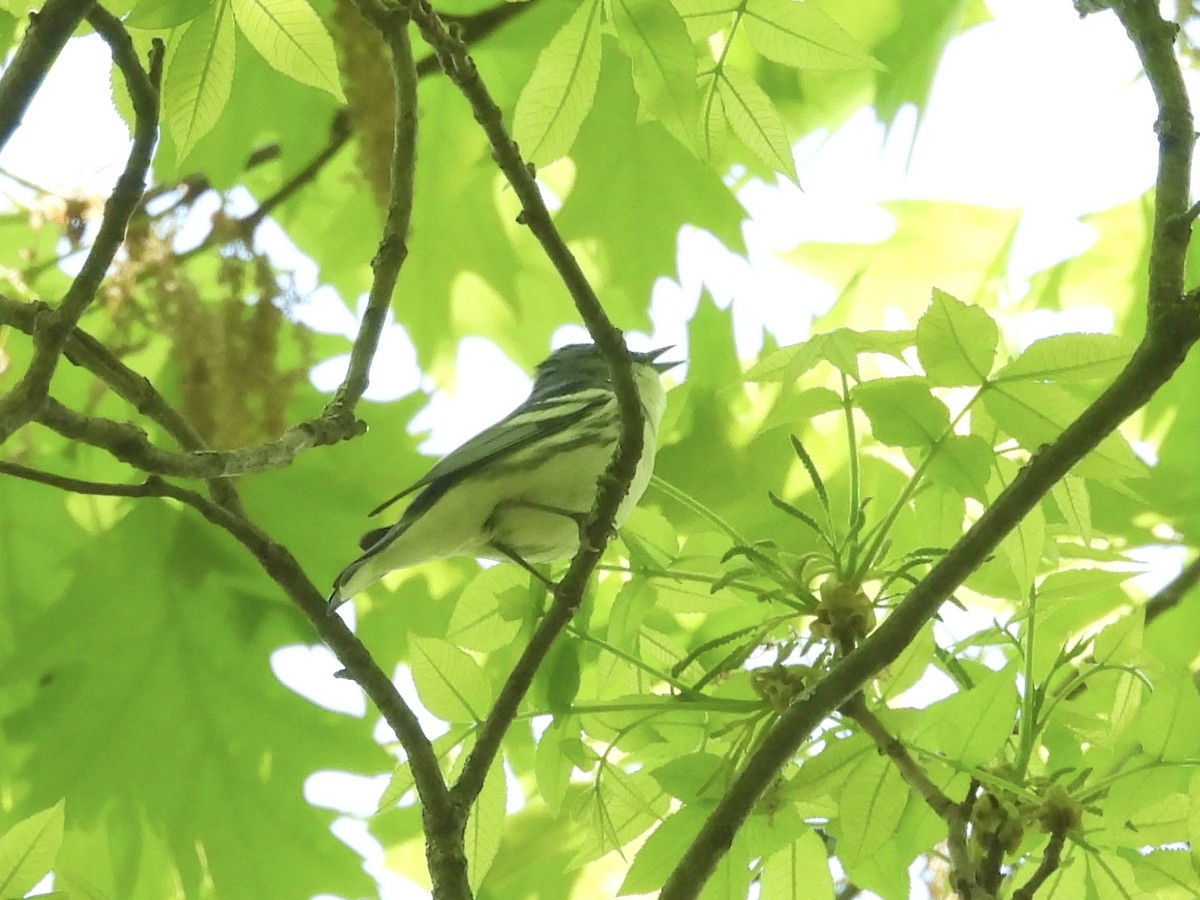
[519,428]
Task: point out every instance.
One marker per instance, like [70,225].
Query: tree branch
[1170,596]
[912,773]
[49,30]
[393,247]
[1173,327]
[1051,860]
[148,488]
[443,821]
[30,392]
[130,444]
[454,57]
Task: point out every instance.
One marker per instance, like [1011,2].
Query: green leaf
[693,777]
[794,407]
[485,825]
[28,850]
[451,684]
[972,726]
[802,35]
[164,13]
[1070,357]
[912,51]
[957,246]
[483,618]
[963,462]
[705,18]
[557,679]
[840,347]
[869,808]
[1036,413]
[956,343]
[826,772]
[618,208]
[292,39]
[654,37]
[902,411]
[552,765]
[1024,547]
[909,667]
[1075,504]
[755,120]
[799,870]
[178,621]
[662,850]
[1169,722]
[559,94]
[198,80]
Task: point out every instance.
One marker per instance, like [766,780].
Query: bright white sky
[1036,109]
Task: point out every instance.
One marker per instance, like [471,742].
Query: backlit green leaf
[956,343]
[755,120]
[802,35]
[655,38]
[290,37]
[28,849]
[902,411]
[485,826]
[971,726]
[451,684]
[1069,357]
[1036,413]
[870,807]
[199,76]
[559,94]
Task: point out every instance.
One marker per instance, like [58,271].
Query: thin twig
[443,816]
[147,488]
[130,444]
[338,138]
[912,773]
[1170,596]
[393,245]
[247,225]
[1051,860]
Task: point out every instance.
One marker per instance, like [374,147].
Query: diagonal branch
[1173,327]
[1170,596]
[1051,860]
[912,773]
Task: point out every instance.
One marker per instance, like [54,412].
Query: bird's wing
[524,425]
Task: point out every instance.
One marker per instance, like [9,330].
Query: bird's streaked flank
[521,488]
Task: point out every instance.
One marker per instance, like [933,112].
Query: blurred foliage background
[136,640]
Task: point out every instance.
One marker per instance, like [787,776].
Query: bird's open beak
[652,357]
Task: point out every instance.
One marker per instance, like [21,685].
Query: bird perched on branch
[521,488]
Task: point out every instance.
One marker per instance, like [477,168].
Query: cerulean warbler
[521,488]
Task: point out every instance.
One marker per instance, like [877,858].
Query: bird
[521,488]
